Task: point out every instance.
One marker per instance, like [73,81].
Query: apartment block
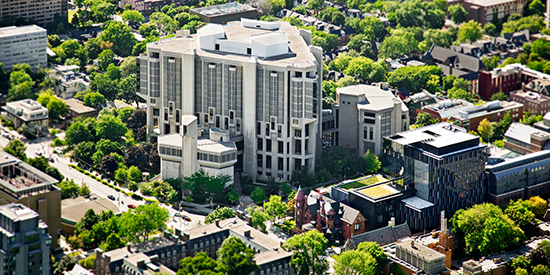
[24,184]
[493,111]
[518,178]
[260,81]
[367,114]
[485,11]
[25,44]
[534,97]
[24,240]
[30,113]
[445,166]
[42,11]
[163,254]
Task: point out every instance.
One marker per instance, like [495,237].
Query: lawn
[364,182]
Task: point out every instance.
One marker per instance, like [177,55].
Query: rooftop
[217,10]
[486,109]
[207,145]
[385,235]
[72,210]
[436,135]
[417,203]
[13,30]
[77,106]
[17,212]
[379,191]
[20,179]
[419,249]
[521,132]
[449,108]
[297,51]
[375,97]
[487,3]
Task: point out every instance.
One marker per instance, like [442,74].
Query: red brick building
[534,96]
[336,220]
[484,11]
[493,111]
[507,79]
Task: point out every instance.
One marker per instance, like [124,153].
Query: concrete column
[248,123]
[188,83]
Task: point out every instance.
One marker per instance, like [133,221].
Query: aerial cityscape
[275,137]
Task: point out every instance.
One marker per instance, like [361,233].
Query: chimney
[179,33]
[391,222]
[247,233]
[217,222]
[154,259]
[141,263]
[412,243]
[178,232]
[185,236]
[186,32]
[129,247]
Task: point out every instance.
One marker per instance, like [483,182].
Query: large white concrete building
[259,81]
[25,44]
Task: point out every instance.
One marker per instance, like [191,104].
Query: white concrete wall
[249,115]
[217,172]
[233,46]
[170,169]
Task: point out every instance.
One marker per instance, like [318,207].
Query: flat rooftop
[77,106]
[419,250]
[522,132]
[229,8]
[298,56]
[375,97]
[72,210]
[436,135]
[17,212]
[379,191]
[417,203]
[449,108]
[19,178]
[16,31]
[487,3]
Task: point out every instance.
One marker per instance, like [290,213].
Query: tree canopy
[236,258]
[307,248]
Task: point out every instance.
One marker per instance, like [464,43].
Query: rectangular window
[217,47]
[268,162]
[260,160]
[258,128]
[268,145]
[248,51]
[260,145]
[280,147]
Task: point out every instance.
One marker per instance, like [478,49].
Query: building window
[357,226]
[248,51]
[217,47]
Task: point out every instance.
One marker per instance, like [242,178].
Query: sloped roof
[470,63]
[385,235]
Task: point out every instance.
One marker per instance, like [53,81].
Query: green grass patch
[363,182]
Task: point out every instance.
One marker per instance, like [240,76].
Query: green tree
[398,44]
[110,127]
[221,214]
[521,213]
[147,30]
[539,206]
[491,63]
[307,248]
[77,133]
[354,262]
[541,269]
[121,175]
[366,69]
[460,94]
[203,186]
[537,7]
[275,207]
[258,195]
[414,78]
[485,130]
[143,220]
[134,174]
[132,16]
[120,35]
[94,99]
[499,96]
[69,189]
[485,228]
[316,4]
[128,66]
[17,149]
[257,217]
[373,164]
[106,57]
[200,264]
[114,241]
[377,253]
[489,29]
[458,13]
[93,47]
[235,257]
[469,32]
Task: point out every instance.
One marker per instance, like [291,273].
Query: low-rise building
[518,178]
[525,139]
[77,109]
[73,210]
[534,96]
[367,114]
[184,153]
[163,254]
[544,124]
[444,110]
[420,256]
[384,236]
[224,13]
[493,111]
[24,241]
[25,44]
[417,101]
[336,220]
[30,113]
[486,11]
[455,63]
[68,81]
[506,79]
[24,184]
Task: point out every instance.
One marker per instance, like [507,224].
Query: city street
[42,146]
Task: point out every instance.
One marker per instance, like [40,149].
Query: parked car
[38,153]
[131,206]
[111,197]
[186,218]
[93,197]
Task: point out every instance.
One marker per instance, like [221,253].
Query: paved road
[42,145]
